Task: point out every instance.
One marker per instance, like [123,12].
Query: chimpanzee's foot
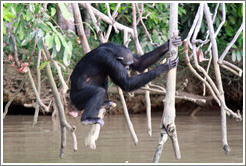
[108,104]
[90,121]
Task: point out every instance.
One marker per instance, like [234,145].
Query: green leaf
[40,43]
[36,9]
[40,33]
[239,57]
[28,38]
[229,30]
[64,43]
[241,11]
[21,33]
[51,25]
[54,52]
[58,43]
[65,13]
[234,55]
[42,66]
[70,46]
[49,41]
[43,26]
[53,11]
[232,19]
[66,57]
[4,28]
[68,54]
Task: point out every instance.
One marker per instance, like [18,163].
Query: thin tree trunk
[168,126]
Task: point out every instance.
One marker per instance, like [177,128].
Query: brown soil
[12,79]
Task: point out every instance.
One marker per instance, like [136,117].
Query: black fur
[89,80]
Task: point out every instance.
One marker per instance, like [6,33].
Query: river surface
[199,140]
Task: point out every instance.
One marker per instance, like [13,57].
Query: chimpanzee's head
[125,56]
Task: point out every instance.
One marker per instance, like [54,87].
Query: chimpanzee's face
[126,60]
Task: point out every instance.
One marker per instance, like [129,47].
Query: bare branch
[197,29]
[220,26]
[36,92]
[63,122]
[80,28]
[231,43]
[60,76]
[194,24]
[232,68]
[145,29]
[113,16]
[99,32]
[107,19]
[35,118]
[112,19]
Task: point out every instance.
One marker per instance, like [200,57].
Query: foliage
[234,17]
[32,22]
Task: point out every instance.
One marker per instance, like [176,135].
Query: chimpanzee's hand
[173,63]
[168,65]
[177,41]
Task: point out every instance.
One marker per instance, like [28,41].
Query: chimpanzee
[89,80]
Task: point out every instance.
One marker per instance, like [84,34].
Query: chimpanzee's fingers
[174,63]
[177,41]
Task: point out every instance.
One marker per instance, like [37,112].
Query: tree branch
[80,28]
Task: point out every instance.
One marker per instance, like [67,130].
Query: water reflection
[199,140]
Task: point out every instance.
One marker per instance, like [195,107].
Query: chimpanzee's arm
[148,59]
[119,75]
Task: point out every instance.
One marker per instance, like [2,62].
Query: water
[199,140]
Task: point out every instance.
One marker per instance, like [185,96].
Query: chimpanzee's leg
[90,99]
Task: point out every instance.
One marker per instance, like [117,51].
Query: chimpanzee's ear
[120,58]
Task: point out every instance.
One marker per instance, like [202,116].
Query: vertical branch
[139,51]
[63,122]
[60,76]
[218,78]
[35,118]
[168,126]
[128,120]
[80,28]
